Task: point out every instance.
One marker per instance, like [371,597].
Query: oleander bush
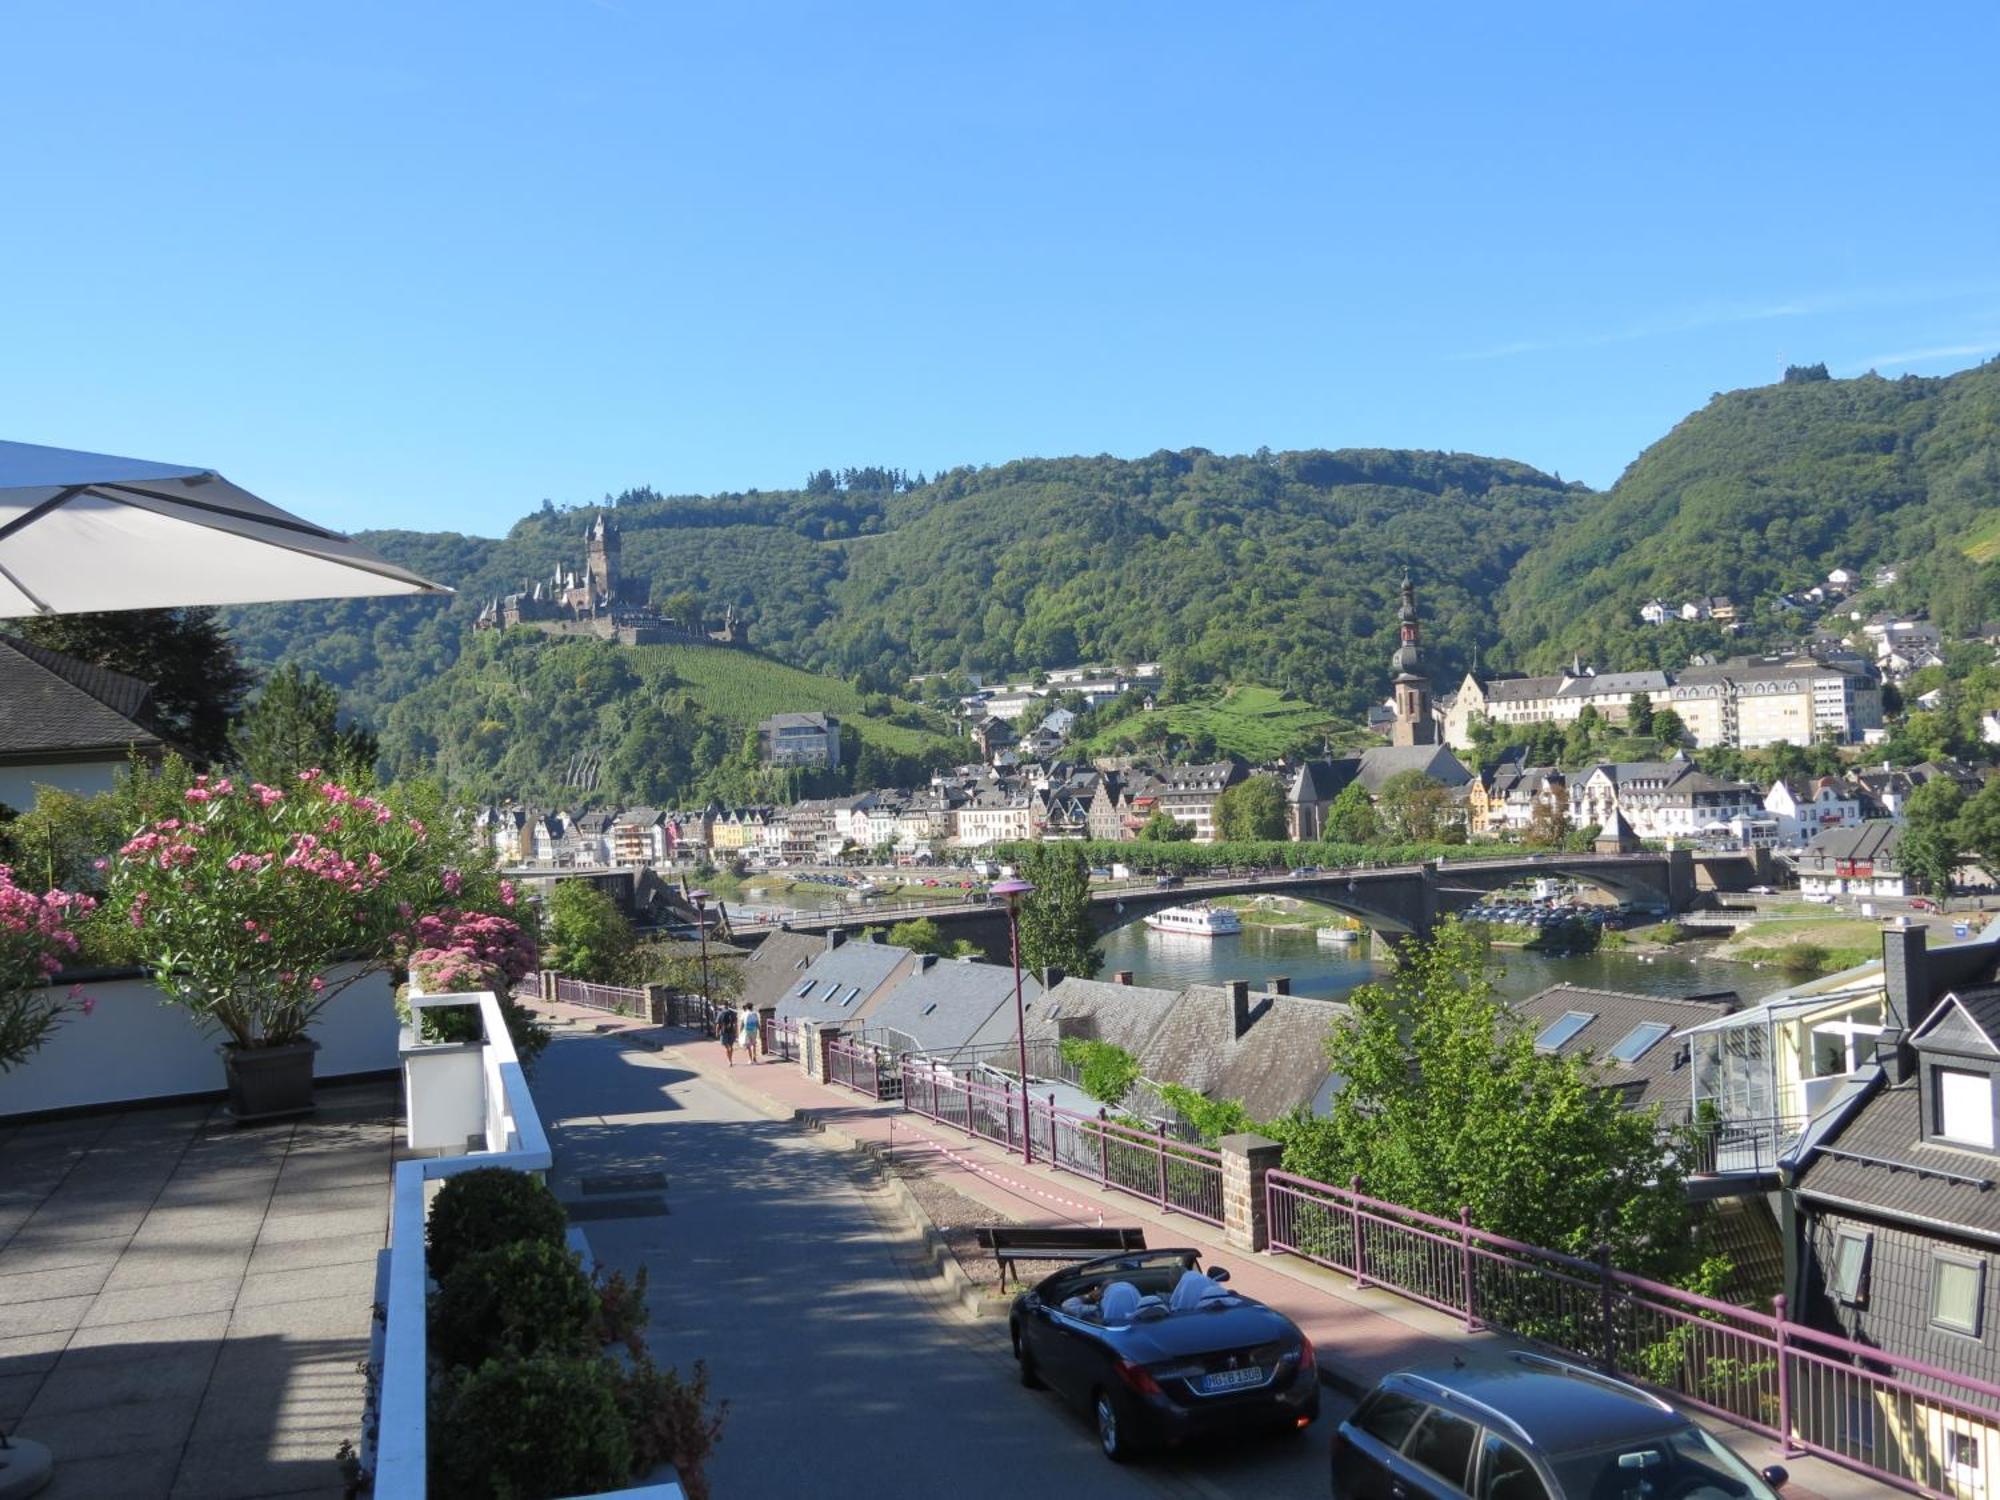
[486,1208]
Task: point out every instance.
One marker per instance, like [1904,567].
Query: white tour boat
[1195,921]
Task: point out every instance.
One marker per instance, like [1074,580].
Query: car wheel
[1026,1363]
[1110,1435]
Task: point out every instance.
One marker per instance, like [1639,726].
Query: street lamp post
[1012,893]
[700,900]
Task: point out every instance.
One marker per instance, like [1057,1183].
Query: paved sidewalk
[183,1302]
[1360,1334]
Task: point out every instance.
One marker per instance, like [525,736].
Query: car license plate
[1229,1380]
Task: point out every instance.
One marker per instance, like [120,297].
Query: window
[1639,1041]
[807,988]
[1850,1266]
[1558,1032]
[1388,1418]
[1963,1449]
[1507,1474]
[1964,1106]
[1958,1290]
[1443,1444]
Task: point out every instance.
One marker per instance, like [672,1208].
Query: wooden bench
[1010,1243]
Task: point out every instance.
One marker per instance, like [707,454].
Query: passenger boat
[1195,921]
[1338,935]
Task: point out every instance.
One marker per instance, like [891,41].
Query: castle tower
[1414,723]
[602,561]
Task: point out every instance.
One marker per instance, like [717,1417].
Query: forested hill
[1279,568]
[1764,491]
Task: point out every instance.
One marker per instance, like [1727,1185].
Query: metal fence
[781,1039]
[615,998]
[1901,1421]
[864,1067]
[1175,1175]
[1721,1147]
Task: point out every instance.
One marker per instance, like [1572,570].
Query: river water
[1172,960]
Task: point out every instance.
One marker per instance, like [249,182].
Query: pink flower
[196,794]
[452,882]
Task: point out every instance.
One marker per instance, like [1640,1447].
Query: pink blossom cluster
[35,931]
[493,946]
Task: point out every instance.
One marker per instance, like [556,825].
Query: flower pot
[269,1083]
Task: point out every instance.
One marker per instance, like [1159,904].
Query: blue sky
[424,264]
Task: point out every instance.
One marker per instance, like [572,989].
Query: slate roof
[953,1002]
[1380,762]
[1902,1181]
[1964,1021]
[1521,689]
[846,984]
[1322,780]
[1617,684]
[1277,1065]
[1659,1075]
[778,964]
[54,705]
[1872,841]
[1126,1015]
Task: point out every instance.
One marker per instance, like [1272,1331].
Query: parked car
[1159,1352]
[1763,890]
[1167,882]
[1920,903]
[1528,1427]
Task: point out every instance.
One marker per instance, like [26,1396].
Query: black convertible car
[1159,1352]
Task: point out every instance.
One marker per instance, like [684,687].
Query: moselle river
[1170,960]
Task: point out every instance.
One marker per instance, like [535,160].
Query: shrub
[1803,960]
[527,1298]
[621,1309]
[670,1421]
[489,1207]
[1105,1070]
[529,1429]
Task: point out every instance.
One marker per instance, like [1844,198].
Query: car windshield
[1687,1464]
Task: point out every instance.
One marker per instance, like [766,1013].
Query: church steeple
[1414,723]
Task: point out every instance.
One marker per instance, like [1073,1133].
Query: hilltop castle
[601,603]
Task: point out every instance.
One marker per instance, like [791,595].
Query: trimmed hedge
[528,1298]
[486,1208]
[530,1429]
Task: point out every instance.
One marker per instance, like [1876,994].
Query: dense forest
[1278,569]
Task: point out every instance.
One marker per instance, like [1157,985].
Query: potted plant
[244,903]
[36,934]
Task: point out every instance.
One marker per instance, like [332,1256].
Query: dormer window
[1964,1107]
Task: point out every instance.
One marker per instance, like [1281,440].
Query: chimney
[1278,984]
[1051,977]
[1906,974]
[1239,1004]
[835,936]
[1895,1056]
[1123,976]
[925,960]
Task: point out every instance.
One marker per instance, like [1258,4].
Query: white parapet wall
[397,1456]
[134,1046]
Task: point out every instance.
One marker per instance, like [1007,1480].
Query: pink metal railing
[781,1038]
[1888,1416]
[1175,1175]
[616,998]
[864,1067]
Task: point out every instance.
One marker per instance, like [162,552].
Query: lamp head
[1010,893]
[699,898]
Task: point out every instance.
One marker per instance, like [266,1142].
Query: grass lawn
[1257,723]
[1831,933]
[1282,911]
[745,687]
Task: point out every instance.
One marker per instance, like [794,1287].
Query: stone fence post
[824,1036]
[1245,1160]
[656,1003]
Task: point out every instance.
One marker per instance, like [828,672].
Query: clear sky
[419,263]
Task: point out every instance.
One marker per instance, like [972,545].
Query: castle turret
[602,559]
[1414,724]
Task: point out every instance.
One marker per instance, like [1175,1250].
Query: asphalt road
[847,1375]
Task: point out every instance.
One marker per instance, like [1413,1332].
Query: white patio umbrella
[81,532]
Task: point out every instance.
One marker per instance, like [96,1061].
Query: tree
[1928,846]
[1668,728]
[1254,808]
[294,726]
[199,681]
[1055,918]
[1105,1071]
[1979,825]
[683,607]
[585,935]
[1448,1104]
[1639,713]
[1414,807]
[1350,818]
[1164,828]
[1548,824]
[920,935]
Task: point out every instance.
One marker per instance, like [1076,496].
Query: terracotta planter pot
[270,1083]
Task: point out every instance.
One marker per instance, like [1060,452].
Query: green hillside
[528,715]
[1252,722]
[1764,491]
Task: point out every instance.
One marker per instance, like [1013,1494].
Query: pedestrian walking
[748,1028]
[725,1027]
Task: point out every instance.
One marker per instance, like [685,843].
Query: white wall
[85,778]
[135,1046]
